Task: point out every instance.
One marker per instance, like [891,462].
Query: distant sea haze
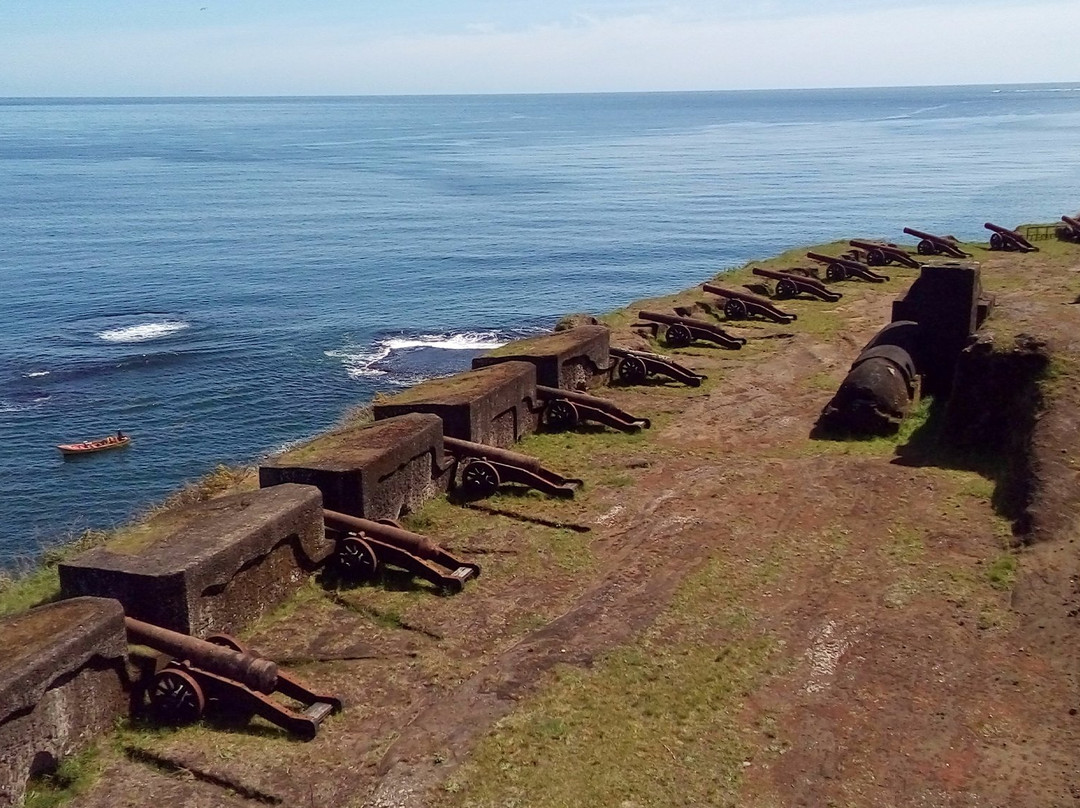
[220,278]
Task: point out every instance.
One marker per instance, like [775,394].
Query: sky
[334,47]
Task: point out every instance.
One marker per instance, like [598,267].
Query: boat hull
[92,446]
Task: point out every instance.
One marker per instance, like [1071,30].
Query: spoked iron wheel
[876,258]
[997,241]
[678,336]
[176,698]
[836,272]
[926,247]
[785,289]
[735,310]
[560,414]
[632,370]
[356,559]
[479,479]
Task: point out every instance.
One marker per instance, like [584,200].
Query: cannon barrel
[996,228]
[1014,235]
[832,259]
[465,448]
[1071,222]
[616,351]
[911,231]
[582,398]
[420,546]
[658,317]
[254,672]
[737,295]
[776,275]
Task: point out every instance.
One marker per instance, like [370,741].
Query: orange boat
[117,441]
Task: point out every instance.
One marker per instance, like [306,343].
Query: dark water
[222,277]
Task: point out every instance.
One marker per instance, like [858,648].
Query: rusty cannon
[186,675]
[683,331]
[1002,238]
[929,244]
[880,254]
[565,409]
[742,305]
[840,269]
[484,468]
[635,367]
[364,547]
[789,285]
[1071,230]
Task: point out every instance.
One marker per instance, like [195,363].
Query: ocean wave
[22,406]
[362,362]
[36,374]
[142,332]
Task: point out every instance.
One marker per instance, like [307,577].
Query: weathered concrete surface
[61,685]
[496,405]
[377,471]
[232,561]
[944,301]
[572,359]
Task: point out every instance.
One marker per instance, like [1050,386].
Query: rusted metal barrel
[254,672]
[1013,235]
[835,259]
[465,448]
[420,546]
[581,398]
[1071,222]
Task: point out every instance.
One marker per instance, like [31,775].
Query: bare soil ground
[731,613]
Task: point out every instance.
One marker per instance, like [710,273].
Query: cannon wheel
[926,247]
[785,289]
[356,559]
[176,698]
[632,370]
[876,258]
[836,272]
[678,336]
[997,241]
[735,309]
[480,479]
[560,414]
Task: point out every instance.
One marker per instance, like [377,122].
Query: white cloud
[879,46]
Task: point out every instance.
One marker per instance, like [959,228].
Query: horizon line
[1073,84]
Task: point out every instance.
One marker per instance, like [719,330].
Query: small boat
[100,445]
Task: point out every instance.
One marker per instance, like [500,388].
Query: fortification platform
[220,567]
[575,359]
[496,405]
[61,685]
[377,471]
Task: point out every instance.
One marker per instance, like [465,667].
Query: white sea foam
[143,332]
[36,374]
[360,362]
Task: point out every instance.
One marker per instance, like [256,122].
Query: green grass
[72,777]
[1001,572]
[654,723]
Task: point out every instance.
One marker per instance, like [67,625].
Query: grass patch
[880,446]
[72,777]
[1001,572]
[655,723]
[39,584]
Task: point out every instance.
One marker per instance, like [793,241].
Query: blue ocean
[221,278]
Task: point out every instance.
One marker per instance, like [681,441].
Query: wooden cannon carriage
[1004,239]
[789,285]
[683,331]
[840,269]
[929,244]
[741,305]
